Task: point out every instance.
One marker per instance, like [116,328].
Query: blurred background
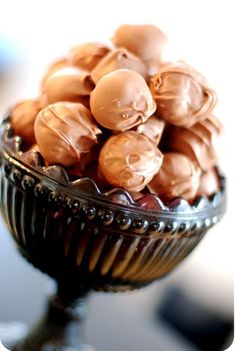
[192,308]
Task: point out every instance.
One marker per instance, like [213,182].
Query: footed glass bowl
[87,240]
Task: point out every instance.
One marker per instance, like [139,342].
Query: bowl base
[61,329]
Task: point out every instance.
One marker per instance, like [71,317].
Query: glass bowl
[85,240]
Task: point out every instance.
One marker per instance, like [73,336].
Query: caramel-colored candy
[209,183]
[146,41]
[183,98]
[152,129]
[54,67]
[120,58]
[64,131]
[178,176]
[22,119]
[197,142]
[121,100]
[68,84]
[87,56]
[129,160]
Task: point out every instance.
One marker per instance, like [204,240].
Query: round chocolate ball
[182,96]
[23,117]
[64,131]
[146,41]
[54,67]
[178,176]
[129,160]
[67,84]
[121,100]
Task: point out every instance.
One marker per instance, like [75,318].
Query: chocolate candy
[197,142]
[54,67]
[64,131]
[137,112]
[121,100]
[146,41]
[182,95]
[152,129]
[68,84]
[23,117]
[178,176]
[87,56]
[209,183]
[118,59]
[92,172]
[129,160]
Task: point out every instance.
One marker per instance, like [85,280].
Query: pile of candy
[125,118]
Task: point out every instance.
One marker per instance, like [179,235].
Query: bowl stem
[61,329]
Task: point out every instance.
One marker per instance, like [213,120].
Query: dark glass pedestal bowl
[85,241]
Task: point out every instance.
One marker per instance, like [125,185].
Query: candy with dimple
[183,97]
[22,119]
[178,176]
[119,59]
[121,100]
[129,160]
[64,131]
